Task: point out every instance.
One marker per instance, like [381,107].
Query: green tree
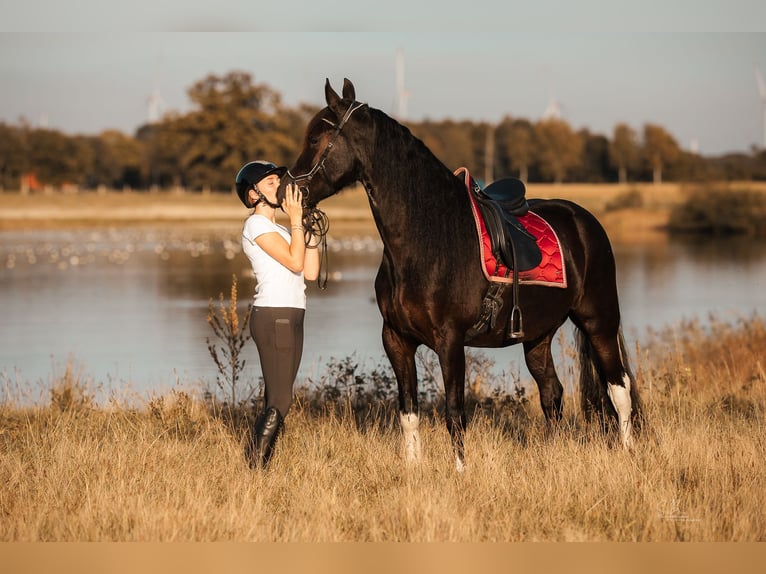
[557,148]
[234,121]
[164,143]
[660,149]
[594,164]
[452,142]
[624,151]
[13,155]
[515,140]
[58,159]
[119,160]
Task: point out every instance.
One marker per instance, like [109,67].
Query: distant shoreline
[349,209]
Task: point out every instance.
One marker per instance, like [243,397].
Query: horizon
[701,87]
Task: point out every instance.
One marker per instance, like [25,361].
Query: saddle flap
[511,242]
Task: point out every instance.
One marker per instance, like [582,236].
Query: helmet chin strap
[263,198]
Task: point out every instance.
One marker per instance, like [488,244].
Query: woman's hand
[293,204]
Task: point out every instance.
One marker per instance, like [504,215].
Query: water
[129,306]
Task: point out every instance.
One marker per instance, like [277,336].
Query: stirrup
[516,319]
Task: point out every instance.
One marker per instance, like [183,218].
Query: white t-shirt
[275,284]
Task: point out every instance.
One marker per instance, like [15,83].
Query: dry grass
[172,471]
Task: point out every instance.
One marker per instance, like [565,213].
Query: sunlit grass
[172,469]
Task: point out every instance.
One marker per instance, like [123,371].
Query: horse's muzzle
[282,190]
[303,184]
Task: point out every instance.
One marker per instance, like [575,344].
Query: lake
[128,305]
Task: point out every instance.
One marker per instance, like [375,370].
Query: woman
[281,258]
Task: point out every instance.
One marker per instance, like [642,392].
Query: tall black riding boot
[267,428]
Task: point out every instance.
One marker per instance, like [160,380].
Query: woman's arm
[292,255]
[311,261]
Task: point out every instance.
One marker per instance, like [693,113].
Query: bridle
[319,165]
[315,221]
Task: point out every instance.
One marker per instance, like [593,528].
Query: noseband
[319,165]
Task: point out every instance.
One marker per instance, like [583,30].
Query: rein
[315,221]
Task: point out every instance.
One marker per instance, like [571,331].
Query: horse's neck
[414,198]
[412,213]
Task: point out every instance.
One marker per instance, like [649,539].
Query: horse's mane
[435,198]
[396,140]
[398,150]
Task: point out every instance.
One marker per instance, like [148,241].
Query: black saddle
[501,203]
[511,193]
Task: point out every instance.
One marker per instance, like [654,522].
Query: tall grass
[173,470]
[231,334]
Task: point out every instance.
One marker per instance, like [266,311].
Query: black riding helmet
[253,172]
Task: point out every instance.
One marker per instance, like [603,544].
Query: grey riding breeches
[278,335]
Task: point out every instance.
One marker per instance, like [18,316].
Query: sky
[620,64]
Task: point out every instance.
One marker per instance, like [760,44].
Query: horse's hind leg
[539,359]
[604,367]
[401,354]
[618,384]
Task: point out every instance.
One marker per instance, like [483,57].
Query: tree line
[234,120]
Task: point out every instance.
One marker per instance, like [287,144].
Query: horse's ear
[332,98]
[349,93]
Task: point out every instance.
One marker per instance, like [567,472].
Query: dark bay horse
[430,284]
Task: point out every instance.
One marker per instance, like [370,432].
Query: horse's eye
[313,140]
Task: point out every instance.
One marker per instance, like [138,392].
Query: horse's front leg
[401,354]
[452,362]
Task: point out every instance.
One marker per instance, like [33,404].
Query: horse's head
[327,163]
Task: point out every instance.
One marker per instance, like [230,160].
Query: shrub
[720,212]
[347,387]
[626,200]
[72,391]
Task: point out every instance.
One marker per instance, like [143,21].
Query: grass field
[173,470]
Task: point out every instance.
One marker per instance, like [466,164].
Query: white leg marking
[410,424]
[620,396]
[459,465]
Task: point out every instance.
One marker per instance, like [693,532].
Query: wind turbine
[402,94]
[553,111]
[154,106]
[762,93]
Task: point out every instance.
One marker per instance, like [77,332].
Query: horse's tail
[593,394]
